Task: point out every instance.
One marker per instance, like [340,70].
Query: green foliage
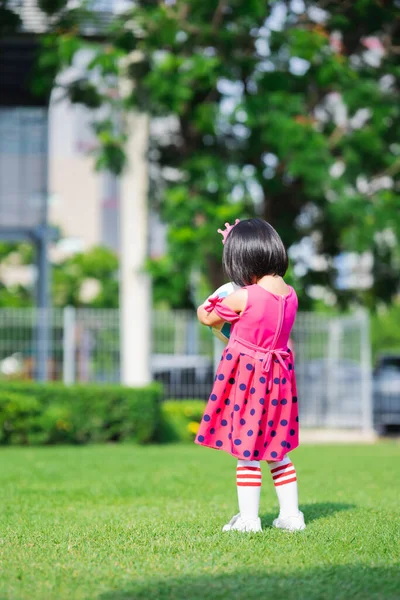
[32,413]
[22,251]
[253,129]
[179,420]
[385,330]
[51,7]
[99,265]
[9,20]
[16,296]
[19,418]
[112,157]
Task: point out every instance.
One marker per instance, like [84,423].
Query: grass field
[125,522]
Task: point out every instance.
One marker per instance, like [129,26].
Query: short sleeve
[223,311]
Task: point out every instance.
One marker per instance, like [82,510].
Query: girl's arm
[236,302]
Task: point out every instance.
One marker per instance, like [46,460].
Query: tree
[17,254]
[86,279]
[284,109]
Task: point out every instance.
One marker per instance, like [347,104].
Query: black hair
[253,249]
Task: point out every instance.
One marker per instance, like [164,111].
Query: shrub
[53,413]
[179,420]
[19,417]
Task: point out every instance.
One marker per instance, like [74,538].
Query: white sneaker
[290,523]
[237,523]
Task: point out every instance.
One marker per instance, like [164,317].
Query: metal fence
[333,362]
[333,368]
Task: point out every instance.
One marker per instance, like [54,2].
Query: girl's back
[268,317]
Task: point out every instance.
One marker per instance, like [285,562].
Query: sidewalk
[338,436]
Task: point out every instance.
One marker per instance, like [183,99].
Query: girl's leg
[248,482]
[285,482]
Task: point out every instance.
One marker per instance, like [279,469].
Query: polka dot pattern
[250,413]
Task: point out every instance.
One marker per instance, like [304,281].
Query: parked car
[387,393]
[183,375]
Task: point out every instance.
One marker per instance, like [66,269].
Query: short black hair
[253,249]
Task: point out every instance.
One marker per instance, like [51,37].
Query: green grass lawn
[125,522]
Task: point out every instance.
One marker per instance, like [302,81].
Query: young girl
[252,411]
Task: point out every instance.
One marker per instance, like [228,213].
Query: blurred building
[83,204]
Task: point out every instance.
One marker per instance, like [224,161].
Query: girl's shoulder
[258,295]
[255,288]
[237,300]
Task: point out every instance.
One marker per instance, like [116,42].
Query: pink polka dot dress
[252,412]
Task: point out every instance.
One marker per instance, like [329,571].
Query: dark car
[387,393]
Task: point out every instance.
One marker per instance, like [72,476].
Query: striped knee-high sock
[285,482]
[248,481]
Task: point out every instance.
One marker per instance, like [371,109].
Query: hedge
[51,413]
[179,420]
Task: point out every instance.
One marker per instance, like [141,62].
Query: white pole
[366,373]
[69,346]
[334,338]
[135,289]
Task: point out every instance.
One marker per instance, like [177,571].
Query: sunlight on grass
[126,522]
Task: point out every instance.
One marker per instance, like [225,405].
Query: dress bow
[280,355]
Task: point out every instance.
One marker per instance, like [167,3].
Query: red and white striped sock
[285,482]
[248,481]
